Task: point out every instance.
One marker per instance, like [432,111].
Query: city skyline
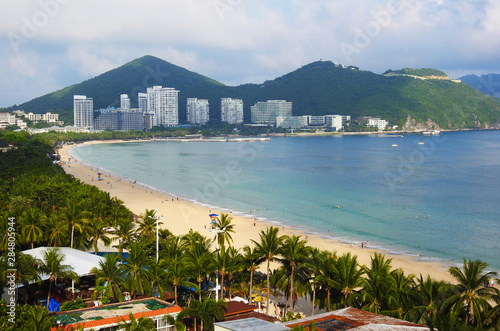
[50,44]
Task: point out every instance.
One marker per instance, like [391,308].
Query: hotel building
[231,110]
[124,101]
[163,103]
[83,112]
[197,111]
[268,112]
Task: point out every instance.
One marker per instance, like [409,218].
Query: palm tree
[199,266]
[51,265]
[327,272]
[349,275]
[268,247]
[426,307]
[177,272]
[38,319]
[31,226]
[209,311]
[137,269]
[221,262]
[401,297]
[110,273]
[294,252]
[206,311]
[27,271]
[76,216]
[147,225]
[133,324]
[57,230]
[224,223]
[252,261]
[473,295]
[159,278]
[97,232]
[234,267]
[125,233]
[377,284]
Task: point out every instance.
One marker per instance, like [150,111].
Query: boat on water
[420,142]
[394,145]
[435,132]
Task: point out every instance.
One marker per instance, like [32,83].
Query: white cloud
[235,41]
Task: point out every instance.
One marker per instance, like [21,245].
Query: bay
[434,197]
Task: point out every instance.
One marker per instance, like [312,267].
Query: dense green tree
[51,265]
[294,252]
[133,324]
[31,223]
[348,276]
[377,284]
[252,260]
[97,232]
[110,273]
[473,291]
[224,224]
[137,269]
[268,247]
[125,233]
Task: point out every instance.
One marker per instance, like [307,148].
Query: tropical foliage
[46,203]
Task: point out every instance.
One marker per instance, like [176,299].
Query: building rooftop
[355,319]
[113,314]
[251,323]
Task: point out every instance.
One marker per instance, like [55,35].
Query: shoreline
[189,215]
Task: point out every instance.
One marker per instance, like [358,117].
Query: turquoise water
[437,200]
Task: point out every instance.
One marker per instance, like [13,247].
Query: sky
[47,45]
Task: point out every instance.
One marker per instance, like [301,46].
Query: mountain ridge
[317,88]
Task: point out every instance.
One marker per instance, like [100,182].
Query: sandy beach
[180,216]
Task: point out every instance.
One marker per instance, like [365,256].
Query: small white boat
[394,145]
[435,132]
[421,143]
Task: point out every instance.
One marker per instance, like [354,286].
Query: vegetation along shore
[65,205]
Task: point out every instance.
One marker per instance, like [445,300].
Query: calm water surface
[437,200]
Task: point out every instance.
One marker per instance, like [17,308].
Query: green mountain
[318,88]
[487,84]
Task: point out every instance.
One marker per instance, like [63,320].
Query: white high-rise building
[83,112]
[142,100]
[163,103]
[197,111]
[268,112]
[231,110]
[124,101]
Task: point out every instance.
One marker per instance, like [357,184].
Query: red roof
[118,319]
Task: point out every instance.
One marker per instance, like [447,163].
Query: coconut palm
[133,324]
[294,252]
[224,223]
[349,276]
[57,230]
[199,266]
[473,295]
[76,216]
[52,266]
[177,272]
[429,299]
[159,278]
[401,297]
[206,311]
[377,284]
[38,319]
[31,222]
[147,224]
[326,274]
[110,273]
[221,262]
[234,267]
[125,233]
[137,269]
[97,231]
[268,247]
[252,260]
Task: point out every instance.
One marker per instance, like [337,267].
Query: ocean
[433,197]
